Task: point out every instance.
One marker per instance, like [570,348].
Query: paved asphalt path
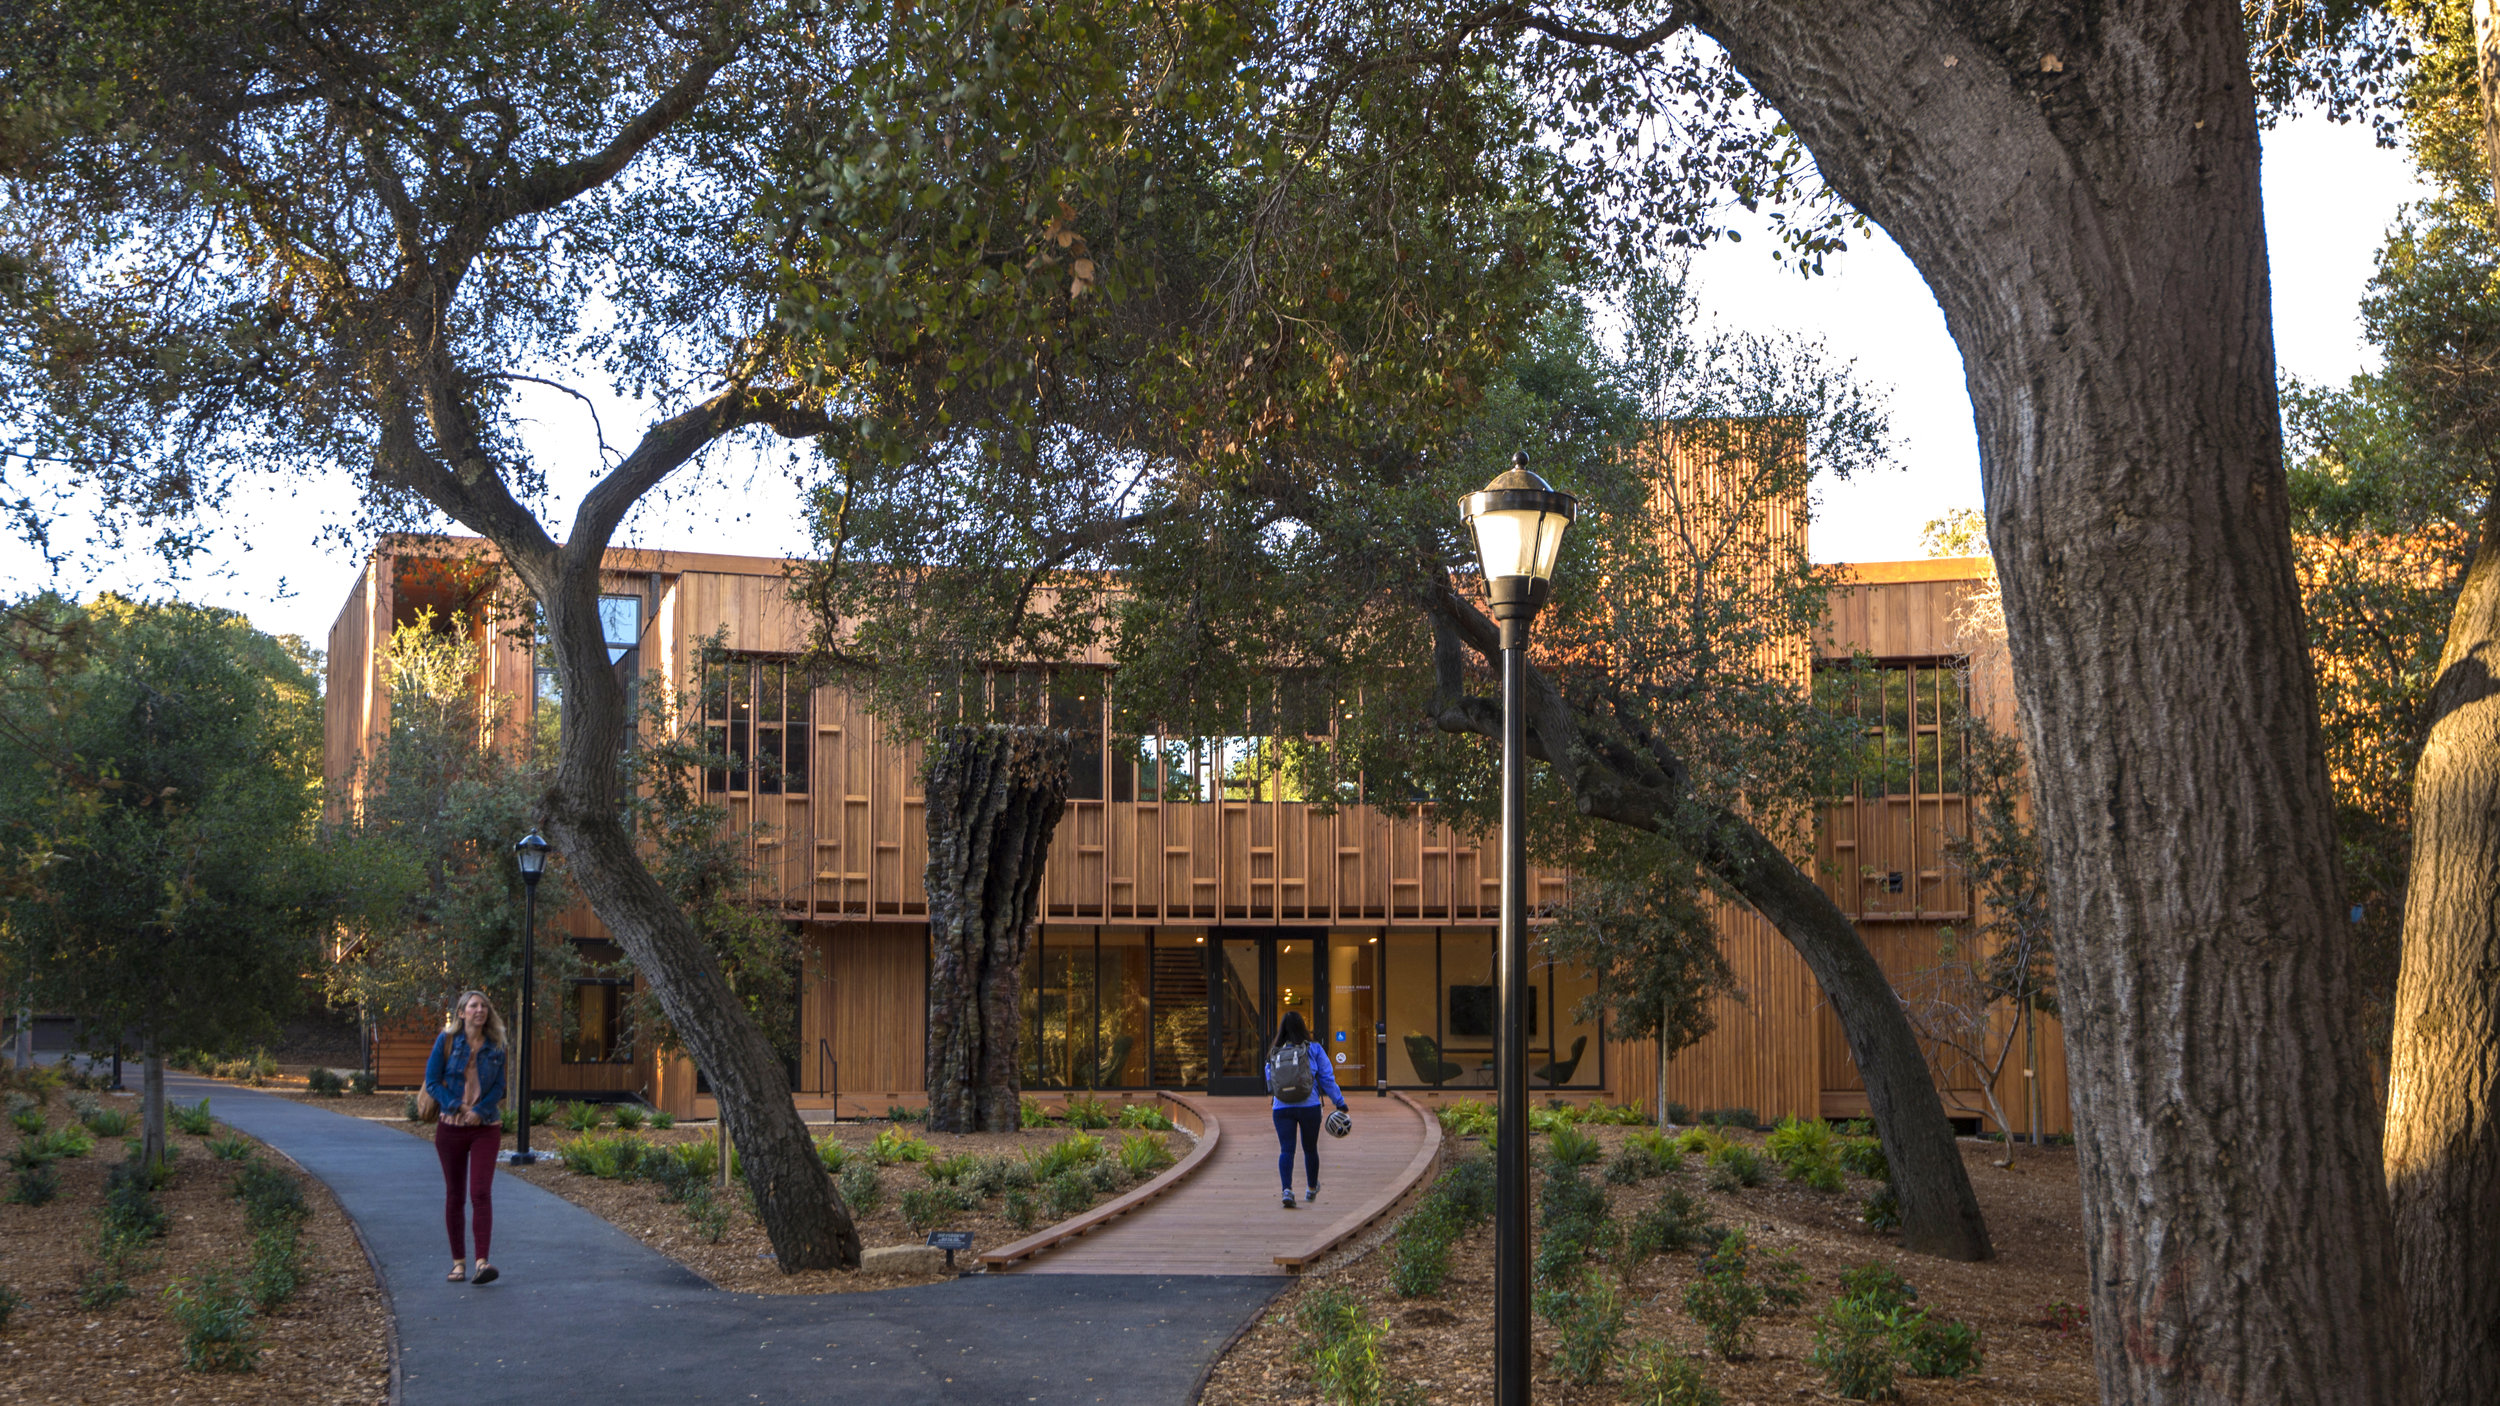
[584,1313]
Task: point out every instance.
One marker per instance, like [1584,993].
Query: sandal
[459,1274]
[487,1273]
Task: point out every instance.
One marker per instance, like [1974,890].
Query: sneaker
[1289,1202]
[1311,1195]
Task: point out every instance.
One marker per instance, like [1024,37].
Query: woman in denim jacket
[464,1074]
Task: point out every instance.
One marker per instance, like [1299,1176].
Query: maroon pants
[468,1158]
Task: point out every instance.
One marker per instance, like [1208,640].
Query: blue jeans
[1289,1122]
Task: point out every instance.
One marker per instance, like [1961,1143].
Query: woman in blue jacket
[1300,1116]
[464,1076]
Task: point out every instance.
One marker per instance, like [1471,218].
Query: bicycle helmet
[1339,1124]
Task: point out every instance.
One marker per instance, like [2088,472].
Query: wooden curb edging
[1210,1131]
[1417,1175]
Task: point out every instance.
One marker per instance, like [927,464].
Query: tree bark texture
[152,1107]
[2078,185]
[1940,1212]
[995,795]
[2443,1145]
[801,1211]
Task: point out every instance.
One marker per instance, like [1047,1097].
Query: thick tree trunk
[152,1107]
[794,1198]
[2080,192]
[1939,1211]
[995,795]
[2443,1140]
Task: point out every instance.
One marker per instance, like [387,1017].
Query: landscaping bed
[1000,1186]
[1434,1342]
[93,1322]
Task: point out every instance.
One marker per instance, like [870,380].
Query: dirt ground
[2037,1353]
[326,1346]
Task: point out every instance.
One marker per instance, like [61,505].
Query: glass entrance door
[1255,981]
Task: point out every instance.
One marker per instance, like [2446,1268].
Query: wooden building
[1184,911]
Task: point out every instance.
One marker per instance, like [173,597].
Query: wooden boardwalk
[1227,1218]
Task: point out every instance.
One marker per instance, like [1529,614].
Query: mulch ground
[326,1346]
[2035,1351]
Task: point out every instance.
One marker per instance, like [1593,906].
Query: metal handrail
[831,1068]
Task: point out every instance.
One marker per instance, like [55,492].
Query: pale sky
[2330,196]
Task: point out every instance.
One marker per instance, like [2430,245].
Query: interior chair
[1429,1065]
[1107,1073]
[1560,1071]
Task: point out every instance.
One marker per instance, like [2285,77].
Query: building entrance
[1254,980]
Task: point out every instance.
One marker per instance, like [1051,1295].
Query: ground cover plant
[1426,1282]
[138,1284]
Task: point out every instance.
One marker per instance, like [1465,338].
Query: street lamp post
[531,853]
[1518,522]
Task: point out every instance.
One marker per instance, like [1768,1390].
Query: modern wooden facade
[1181,907]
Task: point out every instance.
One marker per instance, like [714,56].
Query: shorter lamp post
[531,853]
[1518,522]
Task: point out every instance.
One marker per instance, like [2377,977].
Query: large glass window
[1353,1006]
[1909,716]
[1123,989]
[1058,1037]
[757,726]
[1180,1008]
[1414,981]
[597,1016]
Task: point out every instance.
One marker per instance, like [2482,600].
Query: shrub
[630,1117]
[230,1148]
[663,1120]
[897,1113]
[1622,1115]
[1019,1209]
[1655,1374]
[9,1301]
[542,1112]
[1735,1166]
[1341,1348]
[1589,1317]
[1147,1116]
[1882,1210]
[270,1197]
[831,1151]
[1730,1118]
[581,1117]
[1142,1154]
[892,1145]
[1672,1222]
[1783,1279]
[1853,1350]
[1469,1186]
[1466,1118]
[1419,1253]
[949,1169]
[1067,1194]
[1934,1347]
[1570,1147]
[924,1207]
[27,1120]
[1678,1113]
[1031,1114]
[1700,1142]
[1575,1219]
[1644,1155]
[37,1184]
[992,1175]
[1067,1154]
[707,1213]
[191,1118]
[107,1122]
[1808,1151]
[324,1082]
[216,1319]
[100,1286]
[361,1083]
[277,1266]
[130,1207]
[617,1156]
[1878,1284]
[1864,1156]
[1086,1111]
[1724,1300]
[67,1141]
[408,1109]
[861,1189]
[1550,1117]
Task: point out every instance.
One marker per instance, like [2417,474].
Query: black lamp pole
[531,854]
[1518,521]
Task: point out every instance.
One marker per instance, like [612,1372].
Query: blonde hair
[494,1019]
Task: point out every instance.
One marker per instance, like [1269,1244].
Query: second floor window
[757,726]
[1909,716]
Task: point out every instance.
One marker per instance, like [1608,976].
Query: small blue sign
[1340,1037]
